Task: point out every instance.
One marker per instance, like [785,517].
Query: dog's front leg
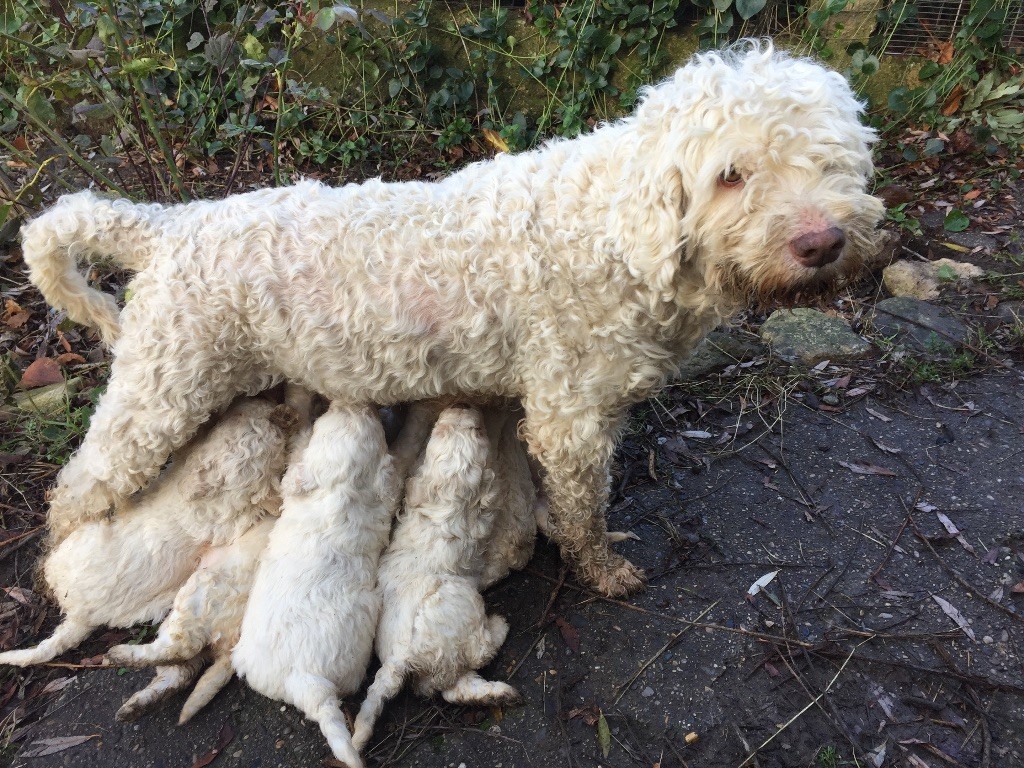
[576,454]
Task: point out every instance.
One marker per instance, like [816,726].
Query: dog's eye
[730,178]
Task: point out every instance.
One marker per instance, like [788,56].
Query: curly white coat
[575,276]
[433,624]
[307,635]
[127,570]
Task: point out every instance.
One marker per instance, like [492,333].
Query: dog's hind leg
[67,635]
[167,682]
[575,450]
[473,689]
[317,697]
[214,678]
[386,685]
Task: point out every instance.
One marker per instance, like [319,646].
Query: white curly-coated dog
[205,621]
[575,277]
[433,624]
[127,570]
[307,635]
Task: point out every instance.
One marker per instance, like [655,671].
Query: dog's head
[347,446]
[748,173]
[452,478]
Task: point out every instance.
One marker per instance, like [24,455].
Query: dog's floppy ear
[647,211]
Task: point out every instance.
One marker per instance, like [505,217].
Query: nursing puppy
[308,630]
[204,624]
[433,623]
[127,569]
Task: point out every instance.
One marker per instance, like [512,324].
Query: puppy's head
[346,445]
[750,176]
[452,476]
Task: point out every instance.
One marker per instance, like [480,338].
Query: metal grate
[938,21]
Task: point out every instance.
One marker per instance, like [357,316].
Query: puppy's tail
[216,677]
[67,635]
[386,685]
[85,224]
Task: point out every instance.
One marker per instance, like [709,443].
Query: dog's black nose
[816,249]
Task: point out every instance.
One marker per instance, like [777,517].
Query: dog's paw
[616,577]
[123,656]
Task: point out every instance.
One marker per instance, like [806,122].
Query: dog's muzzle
[816,249]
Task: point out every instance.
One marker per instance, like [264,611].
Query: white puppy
[308,630]
[127,569]
[433,622]
[205,621]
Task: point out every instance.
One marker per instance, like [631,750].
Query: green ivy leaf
[324,19]
[4,210]
[947,273]
[41,108]
[956,221]
[933,147]
[604,735]
[747,8]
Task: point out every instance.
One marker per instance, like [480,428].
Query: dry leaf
[886,448]
[880,416]
[14,315]
[761,583]
[866,468]
[56,744]
[569,634]
[952,103]
[70,358]
[20,595]
[1018,588]
[41,372]
[956,616]
[495,140]
[227,733]
[954,531]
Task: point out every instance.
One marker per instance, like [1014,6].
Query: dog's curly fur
[575,277]
[205,621]
[433,624]
[307,634]
[126,570]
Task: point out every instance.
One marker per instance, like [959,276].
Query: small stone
[647,692]
[923,279]
[988,640]
[48,400]
[811,336]
[716,351]
[830,399]
[237,753]
[925,327]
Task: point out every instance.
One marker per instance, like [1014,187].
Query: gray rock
[810,336]
[718,350]
[919,325]
[1010,312]
[49,400]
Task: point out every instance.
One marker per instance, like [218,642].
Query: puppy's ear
[646,221]
[298,480]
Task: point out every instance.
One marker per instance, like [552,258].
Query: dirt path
[852,613]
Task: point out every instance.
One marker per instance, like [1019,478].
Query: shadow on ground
[847,652]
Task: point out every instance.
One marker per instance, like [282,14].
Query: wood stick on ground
[621,691]
[798,715]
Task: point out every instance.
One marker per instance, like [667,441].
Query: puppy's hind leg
[317,697]
[214,678]
[473,689]
[386,685]
[167,681]
[67,635]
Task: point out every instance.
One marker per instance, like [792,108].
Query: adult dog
[574,277]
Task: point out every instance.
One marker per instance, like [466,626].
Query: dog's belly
[358,367]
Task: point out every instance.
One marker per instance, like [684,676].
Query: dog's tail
[85,224]
[214,678]
[386,685]
[68,634]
